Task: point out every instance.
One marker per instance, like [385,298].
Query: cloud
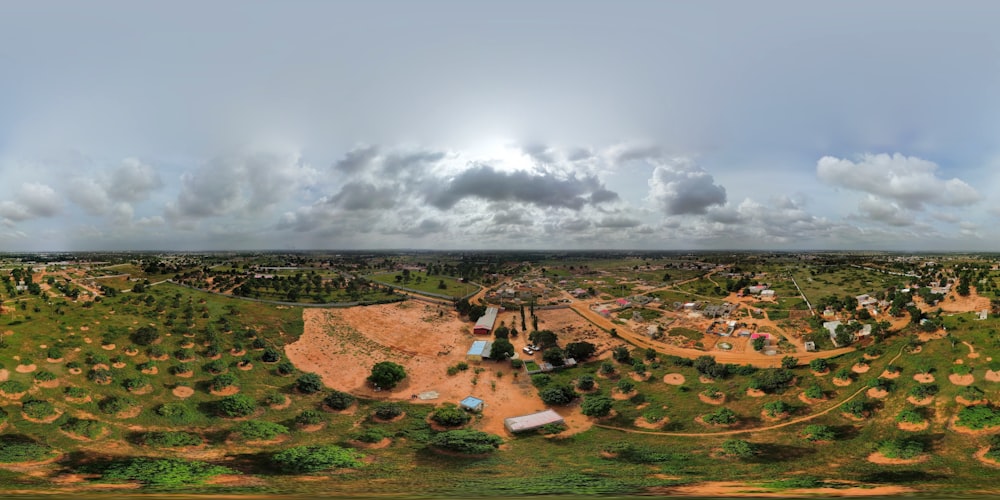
[90,195]
[511,218]
[886,212]
[909,181]
[617,223]
[356,159]
[681,187]
[362,195]
[132,181]
[542,189]
[33,200]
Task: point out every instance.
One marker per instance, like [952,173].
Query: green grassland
[428,284]
[682,451]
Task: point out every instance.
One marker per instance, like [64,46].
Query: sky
[295,125]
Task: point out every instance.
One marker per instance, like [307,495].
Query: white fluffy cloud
[907,180]
[32,200]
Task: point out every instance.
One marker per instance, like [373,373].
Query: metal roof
[533,421]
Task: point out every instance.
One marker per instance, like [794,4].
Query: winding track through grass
[755,429]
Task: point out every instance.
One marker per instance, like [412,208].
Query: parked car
[527,350]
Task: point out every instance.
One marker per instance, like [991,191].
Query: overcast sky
[499,125]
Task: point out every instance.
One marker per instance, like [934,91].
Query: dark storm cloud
[681,187]
[356,160]
[362,195]
[540,189]
[617,223]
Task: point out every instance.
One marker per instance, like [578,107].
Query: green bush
[387,411]
[910,416]
[226,380]
[923,391]
[13,386]
[215,366]
[309,417]
[625,386]
[55,353]
[900,448]
[97,358]
[558,395]
[237,405]
[164,472]
[855,408]
[38,409]
[117,404]
[819,365]
[285,368]
[3,415]
[775,408]
[259,430]
[972,393]
[338,400]
[450,415]
[541,380]
[817,432]
[722,416]
[270,355]
[170,439]
[467,441]
[595,405]
[181,368]
[176,412]
[91,429]
[739,448]
[371,435]
[135,383]
[309,383]
[274,399]
[386,375]
[16,449]
[978,417]
[305,459]
[75,392]
[44,376]
[585,383]
[99,376]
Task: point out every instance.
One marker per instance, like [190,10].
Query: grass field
[430,284]
[598,461]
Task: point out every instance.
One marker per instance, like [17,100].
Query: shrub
[971,393]
[467,441]
[44,376]
[309,383]
[607,368]
[15,449]
[386,375]
[910,416]
[978,417]
[147,366]
[181,368]
[163,471]
[819,365]
[13,386]
[738,448]
[90,429]
[170,439]
[855,408]
[75,392]
[258,343]
[585,383]
[900,448]
[816,432]
[309,417]
[55,353]
[722,416]
[625,386]
[145,336]
[775,408]
[338,400]
[285,368]
[540,380]
[215,366]
[582,351]
[451,416]
[621,354]
[220,382]
[72,365]
[96,358]
[387,411]
[305,459]
[371,435]
[596,406]
[38,409]
[773,380]
[270,355]
[923,391]
[274,399]
[176,412]
[99,376]
[789,362]
[117,404]
[843,374]
[134,383]
[237,405]
[558,395]
[259,430]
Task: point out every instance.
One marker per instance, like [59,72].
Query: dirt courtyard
[341,345]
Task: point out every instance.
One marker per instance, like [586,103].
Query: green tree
[467,441]
[259,430]
[338,400]
[739,448]
[543,338]
[789,362]
[163,471]
[386,374]
[816,432]
[237,405]
[554,356]
[502,349]
[558,395]
[450,415]
[580,351]
[596,405]
[309,383]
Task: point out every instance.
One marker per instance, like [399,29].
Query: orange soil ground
[341,345]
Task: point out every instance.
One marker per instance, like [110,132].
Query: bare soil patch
[878,458]
[924,378]
[25,368]
[992,376]
[755,393]
[718,400]
[642,423]
[226,391]
[725,489]
[151,371]
[957,379]
[921,402]
[809,401]
[47,420]
[820,374]
[860,368]
[183,391]
[248,366]
[384,443]
[108,347]
[48,384]
[341,346]
[146,389]
[842,382]
[706,380]
[911,427]
[130,413]
[981,456]
[673,379]
[952,424]
[4,374]
[877,393]
[621,396]
[965,402]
